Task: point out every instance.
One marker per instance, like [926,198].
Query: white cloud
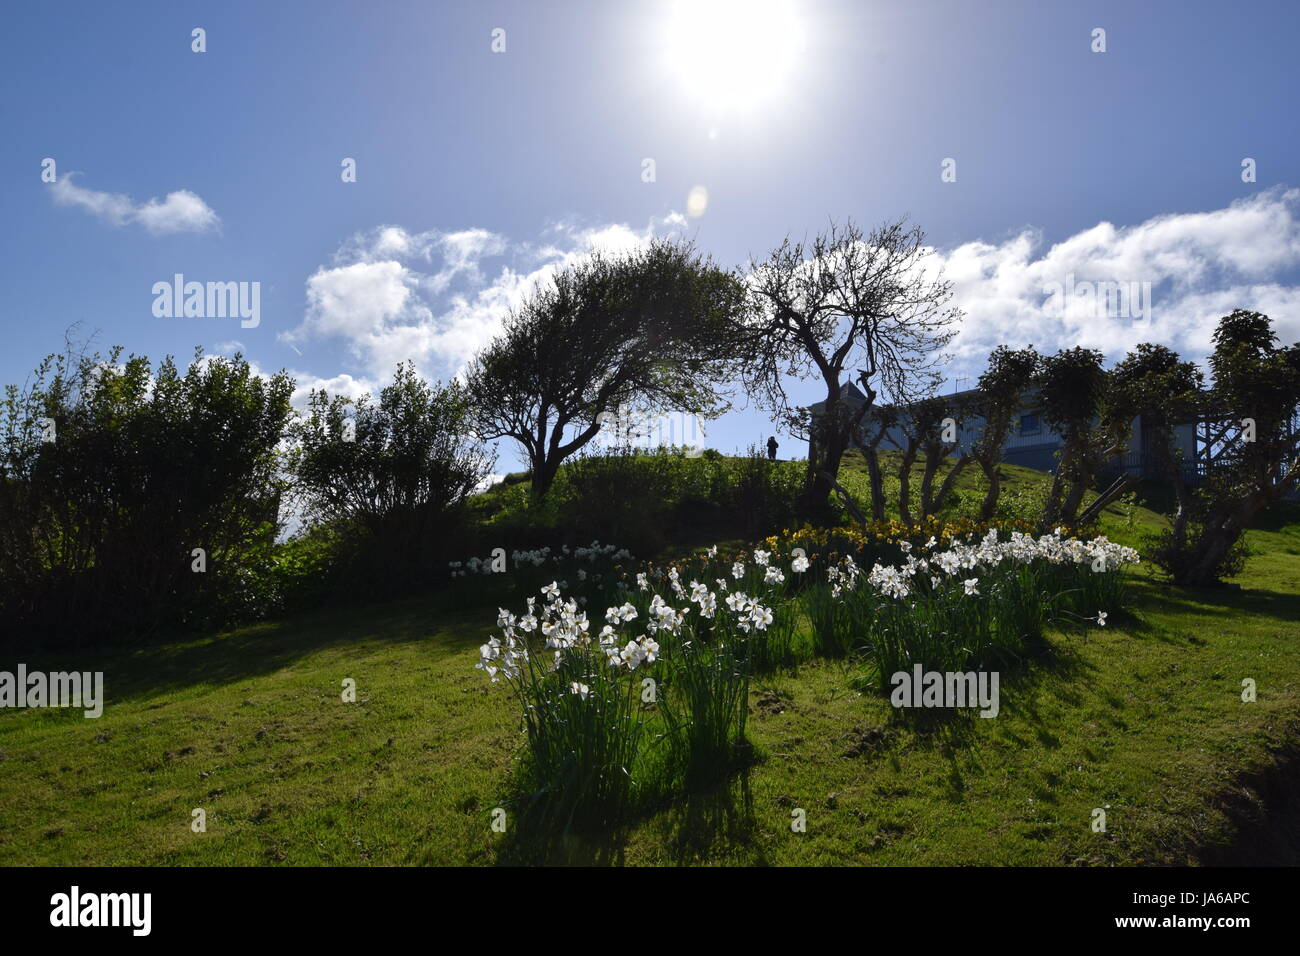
[488,482]
[341,384]
[391,295]
[355,301]
[180,211]
[1200,266]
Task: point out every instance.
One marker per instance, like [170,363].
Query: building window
[1030,425]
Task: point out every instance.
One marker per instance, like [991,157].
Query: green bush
[1176,555]
[390,478]
[113,474]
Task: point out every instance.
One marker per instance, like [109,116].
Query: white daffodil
[633,654]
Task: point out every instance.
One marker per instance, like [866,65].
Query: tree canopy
[647,329]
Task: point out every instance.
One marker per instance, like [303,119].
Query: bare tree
[848,300]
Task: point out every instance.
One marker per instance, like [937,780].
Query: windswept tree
[649,330]
[849,300]
[1254,453]
[1074,390]
[1153,383]
[999,397]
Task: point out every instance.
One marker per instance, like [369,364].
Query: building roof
[849,393]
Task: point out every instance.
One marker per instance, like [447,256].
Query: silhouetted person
[771,448]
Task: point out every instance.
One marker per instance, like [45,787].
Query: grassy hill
[1143,719]
[663,503]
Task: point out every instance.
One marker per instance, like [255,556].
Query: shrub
[1177,555]
[98,524]
[391,478]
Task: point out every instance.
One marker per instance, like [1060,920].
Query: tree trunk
[994,477]
[1070,508]
[544,472]
[933,456]
[839,432]
[876,480]
[1183,497]
[1052,507]
[1209,552]
[1227,524]
[832,442]
[905,484]
[949,482]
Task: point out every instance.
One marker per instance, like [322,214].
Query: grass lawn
[1143,718]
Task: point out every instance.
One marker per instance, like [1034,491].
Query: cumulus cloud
[390,294]
[1196,266]
[180,211]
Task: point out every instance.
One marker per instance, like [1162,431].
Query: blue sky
[478,172]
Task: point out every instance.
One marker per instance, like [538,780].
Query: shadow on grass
[260,649]
[1225,602]
[694,822]
[566,848]
[954,734]
[1264,807]
[709,818]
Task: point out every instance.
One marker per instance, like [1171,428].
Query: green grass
[1143,717]
[1023,490]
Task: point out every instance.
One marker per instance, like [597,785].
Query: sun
[734,53]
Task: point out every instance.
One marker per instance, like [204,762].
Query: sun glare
[734,53]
